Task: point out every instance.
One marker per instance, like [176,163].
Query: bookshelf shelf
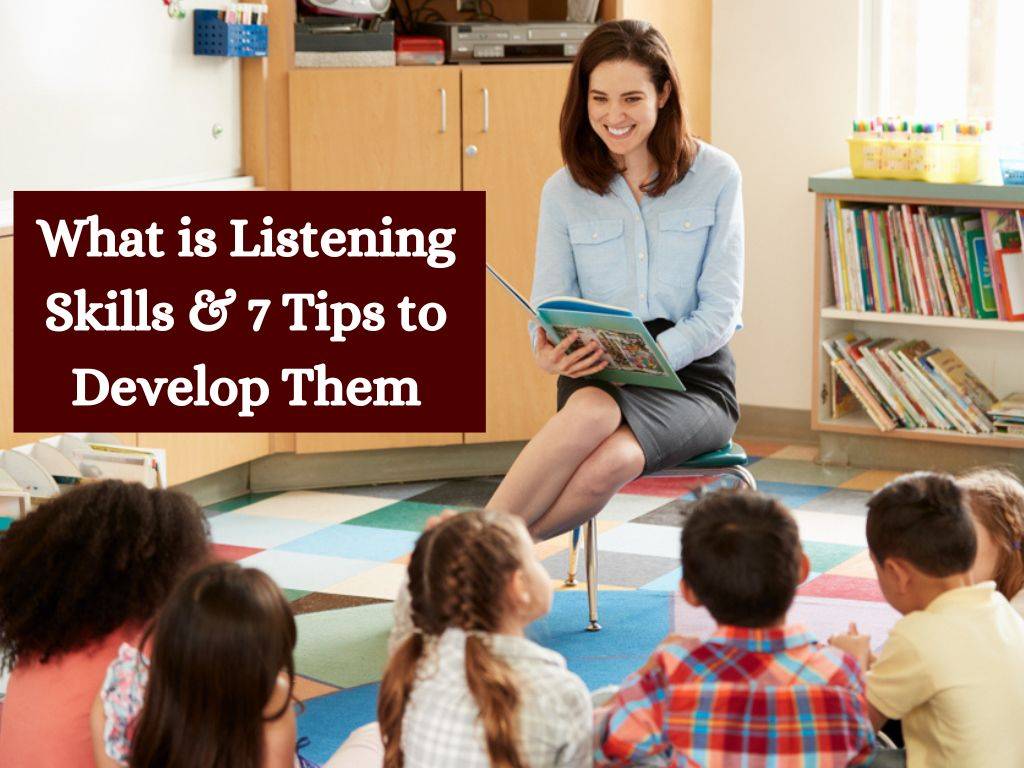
[905,318]
[994,349]
[860,424]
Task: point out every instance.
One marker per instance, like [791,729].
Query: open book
[633,356]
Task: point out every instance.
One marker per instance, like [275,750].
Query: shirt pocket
[599,250]
[682,236]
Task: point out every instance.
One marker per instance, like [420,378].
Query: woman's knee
[592,411]
[611,466]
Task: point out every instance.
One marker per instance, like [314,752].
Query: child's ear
[518,590]
[805,567]
[688,594]
[899,572]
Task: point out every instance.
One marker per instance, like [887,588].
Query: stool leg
[591,545]
[744,476]
[574,557]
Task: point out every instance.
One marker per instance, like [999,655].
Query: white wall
[783,93]
[109,93]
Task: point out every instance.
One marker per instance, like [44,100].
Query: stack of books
[926,260]
[908,384]
[1008,414]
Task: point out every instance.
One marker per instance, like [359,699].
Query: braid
[997,500]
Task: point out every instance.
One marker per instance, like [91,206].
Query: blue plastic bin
[214,37]
[1012,169]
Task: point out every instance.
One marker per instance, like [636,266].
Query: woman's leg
[614,463]
[540,472]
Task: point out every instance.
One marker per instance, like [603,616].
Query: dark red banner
[249,311]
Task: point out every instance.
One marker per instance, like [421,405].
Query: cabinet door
[376,128]
[510,148]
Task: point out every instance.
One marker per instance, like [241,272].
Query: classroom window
[937,59]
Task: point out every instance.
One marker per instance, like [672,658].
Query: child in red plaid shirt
[759,692]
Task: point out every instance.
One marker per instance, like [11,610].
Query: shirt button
[643,296]
[686,225]
[640,256]
[638,217]
[594,236]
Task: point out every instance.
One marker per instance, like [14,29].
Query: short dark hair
[924,519]
[586,156]
[741,556]
[90,561]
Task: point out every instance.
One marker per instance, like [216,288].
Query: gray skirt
[673,427]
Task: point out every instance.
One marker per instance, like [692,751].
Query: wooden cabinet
[510,116]
[377,128]
[192,455]
[382,129]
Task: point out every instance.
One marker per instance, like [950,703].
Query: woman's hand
[553,358]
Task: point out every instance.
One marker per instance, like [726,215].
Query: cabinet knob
[471,150]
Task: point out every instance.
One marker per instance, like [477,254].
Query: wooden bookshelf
[994,349]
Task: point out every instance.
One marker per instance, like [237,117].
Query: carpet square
[355,541]
[316,602]
[307,688]
[761,448]
[670,514]
[297,570]
[666,487]
[230,552]
[870,481]
[346,647]
[629,506]
[793,495]
[668,582]
[797,453]
[239,502]
[844,587]
[825,556]
[381,581]
[393,491]
[831,527]
[802,472]
[316,506]
[244,530]
[842,501]
[859,565]
[400,516]
[639,539]
[475,492]
[615,568]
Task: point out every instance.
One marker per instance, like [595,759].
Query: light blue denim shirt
[678,256]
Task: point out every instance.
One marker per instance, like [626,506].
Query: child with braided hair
[996,500]
[466,687]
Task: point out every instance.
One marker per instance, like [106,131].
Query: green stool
[730,460]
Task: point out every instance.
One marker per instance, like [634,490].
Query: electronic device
[360,9]
[484,41]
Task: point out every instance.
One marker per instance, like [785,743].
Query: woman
[643,216]
[79,576]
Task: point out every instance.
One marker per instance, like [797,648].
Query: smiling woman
[644,216]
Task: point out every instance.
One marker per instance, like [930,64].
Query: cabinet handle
[444,110]
[487,110]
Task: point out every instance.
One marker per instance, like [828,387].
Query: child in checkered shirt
[464,687]
[760,692]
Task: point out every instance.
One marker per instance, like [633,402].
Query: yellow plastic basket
[943,162]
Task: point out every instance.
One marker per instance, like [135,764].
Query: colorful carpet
[340,555]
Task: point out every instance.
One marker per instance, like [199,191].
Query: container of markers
[1011,165]
[216,37]
[918,153]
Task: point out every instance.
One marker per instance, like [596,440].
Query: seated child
[952,668]
[759,692]
[466,688]
[218,688]
[996,499]
[80,575]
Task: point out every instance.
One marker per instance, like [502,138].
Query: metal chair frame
[740,472]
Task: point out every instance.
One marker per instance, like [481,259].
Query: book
[633,355]
[1008,264]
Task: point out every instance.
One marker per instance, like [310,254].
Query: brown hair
[218,647]
[996,499]
[457,577]
[673,147]
[101,557]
